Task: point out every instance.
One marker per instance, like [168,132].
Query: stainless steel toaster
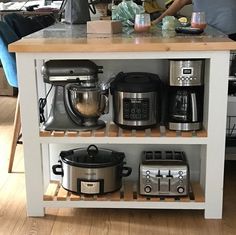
[164,174]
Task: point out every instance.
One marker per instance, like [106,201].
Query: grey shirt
[220,14]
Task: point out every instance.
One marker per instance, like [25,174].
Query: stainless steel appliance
[186,72]
[185,95]
[164,174]
[136,100]
[92,170]
[78,100]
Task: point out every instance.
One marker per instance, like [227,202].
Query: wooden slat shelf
[128,192]
[113,130]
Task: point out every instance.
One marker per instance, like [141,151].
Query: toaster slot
[148,155]
[157,155]
[178,156]
[169,155]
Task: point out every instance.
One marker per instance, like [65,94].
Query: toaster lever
[164,181]
[169,177]
[159,176]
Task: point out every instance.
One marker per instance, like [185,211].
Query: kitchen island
[115,52]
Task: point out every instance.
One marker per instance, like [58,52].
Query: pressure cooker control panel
[136,109]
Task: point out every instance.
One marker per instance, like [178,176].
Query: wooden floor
[13,219]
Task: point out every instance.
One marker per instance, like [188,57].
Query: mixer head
[61,72]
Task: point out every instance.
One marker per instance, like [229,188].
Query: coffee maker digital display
[185,95]
[187,71]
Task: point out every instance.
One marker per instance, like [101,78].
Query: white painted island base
[211,144]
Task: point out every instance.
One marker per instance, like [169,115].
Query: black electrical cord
[42,104]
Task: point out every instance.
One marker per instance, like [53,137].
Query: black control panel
[136,109]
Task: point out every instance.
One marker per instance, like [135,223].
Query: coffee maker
[185,95]
[79,100]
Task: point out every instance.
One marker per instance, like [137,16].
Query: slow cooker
[91,170]
[136,100]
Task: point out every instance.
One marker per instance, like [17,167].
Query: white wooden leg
[215,149]
[30,132]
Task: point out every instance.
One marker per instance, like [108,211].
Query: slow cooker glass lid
[92,157]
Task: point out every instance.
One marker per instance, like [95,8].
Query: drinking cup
[198,20]
[142,22]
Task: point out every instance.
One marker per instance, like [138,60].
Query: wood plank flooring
[13,219]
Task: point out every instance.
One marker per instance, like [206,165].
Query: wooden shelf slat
[45,133]
[75,197]
[169,133]
[51,191]
[170,199]
[126,133]
[141,198]
[202,133]
[184,199]
[58,133]
[115,196]
[154,199]
[186,133]
[62,194]
[128,190]
[140,133]
[113,130]
[103,197]
[87,197]
[197,192]
[72,133]
[85,133]
[155,132]
[100,132]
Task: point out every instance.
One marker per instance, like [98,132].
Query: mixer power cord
[42,104]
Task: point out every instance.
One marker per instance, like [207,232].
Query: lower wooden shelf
[126,197]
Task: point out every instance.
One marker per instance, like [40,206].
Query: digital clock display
[187,71]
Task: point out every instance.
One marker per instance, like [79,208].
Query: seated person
[168,3]
[23,26]
[153,8]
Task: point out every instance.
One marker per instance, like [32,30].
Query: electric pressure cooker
[91,170]
[136,100]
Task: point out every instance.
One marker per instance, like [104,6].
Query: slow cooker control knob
[180,189]
[148,189]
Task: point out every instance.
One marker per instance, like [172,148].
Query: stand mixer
[78,100]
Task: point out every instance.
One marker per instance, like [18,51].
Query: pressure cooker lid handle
[92,150]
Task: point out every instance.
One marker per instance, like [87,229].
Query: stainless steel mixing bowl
[88,102]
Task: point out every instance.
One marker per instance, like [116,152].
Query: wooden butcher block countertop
[73,38]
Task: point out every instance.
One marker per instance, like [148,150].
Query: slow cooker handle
[58,166]
[128,169]
[92,150]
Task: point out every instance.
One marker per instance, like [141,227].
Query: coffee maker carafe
[79,100]
[185,95]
